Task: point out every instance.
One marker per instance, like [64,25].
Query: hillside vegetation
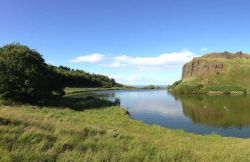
[25,76]
[215,73]
[80,78]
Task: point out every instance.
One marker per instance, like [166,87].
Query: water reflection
[217,111]
[224,115]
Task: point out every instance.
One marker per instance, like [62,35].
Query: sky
[137,42]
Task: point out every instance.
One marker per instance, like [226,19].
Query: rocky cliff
[209,64]
[215,73]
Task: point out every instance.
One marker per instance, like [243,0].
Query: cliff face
[199,67]
[215,73]
[207,64]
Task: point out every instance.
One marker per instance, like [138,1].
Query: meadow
[91,129]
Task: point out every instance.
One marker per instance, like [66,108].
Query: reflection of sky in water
[150,102]
[159,107]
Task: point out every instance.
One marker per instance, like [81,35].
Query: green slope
[234,78]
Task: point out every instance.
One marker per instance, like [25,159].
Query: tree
[24,75]
[79,78]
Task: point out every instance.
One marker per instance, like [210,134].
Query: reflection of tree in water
[106,95]
[117,101]
[218,111]
[111,97]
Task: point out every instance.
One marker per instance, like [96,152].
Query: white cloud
[136,78]
[204,49]
[138,70]
[93,58]
[114,64]
[162,61]
[132,79]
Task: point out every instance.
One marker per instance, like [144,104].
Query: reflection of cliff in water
[218,111]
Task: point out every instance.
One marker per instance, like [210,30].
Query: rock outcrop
[209,64]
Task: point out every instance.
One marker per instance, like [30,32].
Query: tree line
[79,78]
[25,76]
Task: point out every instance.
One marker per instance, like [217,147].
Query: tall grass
[58,132]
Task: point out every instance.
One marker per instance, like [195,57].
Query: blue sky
[134,41]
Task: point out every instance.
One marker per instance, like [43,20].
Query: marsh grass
[57,132]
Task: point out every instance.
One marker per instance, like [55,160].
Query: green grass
[197,88]
[70,90]
[70,129]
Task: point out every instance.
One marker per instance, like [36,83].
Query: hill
[215,73]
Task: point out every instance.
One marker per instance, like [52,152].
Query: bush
[228,89]
[190,89]
[149,87]
[175,84]
[24,75]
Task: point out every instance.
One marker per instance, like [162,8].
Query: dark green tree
[79,78]
[24,75]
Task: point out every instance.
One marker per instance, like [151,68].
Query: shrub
[149,87]
[190,89]
[175,84]
[228,89]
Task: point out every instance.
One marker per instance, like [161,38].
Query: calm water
[224,115]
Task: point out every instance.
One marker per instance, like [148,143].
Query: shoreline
[101,131]
[69,91]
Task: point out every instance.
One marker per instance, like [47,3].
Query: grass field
[71,129]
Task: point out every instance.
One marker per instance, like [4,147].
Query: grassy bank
[90,129]
[184,87]
[70,90]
